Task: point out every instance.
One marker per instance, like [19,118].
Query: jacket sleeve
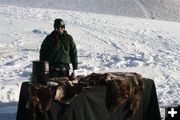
[44,50]
[73,52]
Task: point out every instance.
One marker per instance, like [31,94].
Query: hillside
[152,9]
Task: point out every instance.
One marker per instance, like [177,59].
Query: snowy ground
[104,42]
[152,9]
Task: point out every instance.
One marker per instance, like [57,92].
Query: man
[59,50]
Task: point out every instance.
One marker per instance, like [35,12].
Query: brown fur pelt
[65,93]
[39,100]
[121,87]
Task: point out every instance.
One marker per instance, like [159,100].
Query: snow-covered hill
[153,9]
[104,42]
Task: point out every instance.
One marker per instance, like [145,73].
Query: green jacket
[59,49]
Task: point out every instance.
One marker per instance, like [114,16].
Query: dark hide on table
[112,96]
[34,102]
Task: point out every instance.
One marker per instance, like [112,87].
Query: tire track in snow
[161,8]
[147,15]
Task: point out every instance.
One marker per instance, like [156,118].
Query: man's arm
[44,50]
[73,53]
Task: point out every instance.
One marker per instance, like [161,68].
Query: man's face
[60,29]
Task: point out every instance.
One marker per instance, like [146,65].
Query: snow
[105,43]
[152,9]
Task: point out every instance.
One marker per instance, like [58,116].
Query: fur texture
[122,87]
[40,101]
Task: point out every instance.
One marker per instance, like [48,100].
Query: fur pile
[40,99]
[121,87]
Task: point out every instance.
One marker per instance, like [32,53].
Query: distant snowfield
[105,43]
[152,9]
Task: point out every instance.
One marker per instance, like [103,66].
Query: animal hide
[39,100]
[122,87]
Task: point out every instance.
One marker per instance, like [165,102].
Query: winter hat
[59,23]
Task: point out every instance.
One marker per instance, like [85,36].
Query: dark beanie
[59,22]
